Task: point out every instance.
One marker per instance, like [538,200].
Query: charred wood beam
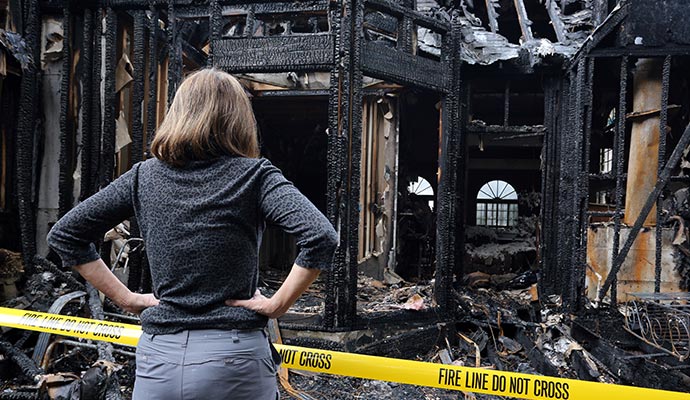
[352,128]
[588,102]
[563,238]
[663,119]
[105,349]
[110,99]
[196,8]
[336,159]
[491,6]
[66,135]
[619,159]
[651,200]
[450,158]
[88,134]
[139,66]
[578,165]
[292,93]
[601,32]
[517,130]
[215,26]
[643,52]
[174,53]
[153,78]
[381,61]
[406,35]
[556,21]
[548,175]
[524,20]
[27,127]
[96,116]
[137,154]
[25,364]
[275,54]
[19,396]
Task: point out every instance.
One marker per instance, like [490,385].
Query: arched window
[497,204]
[422,187]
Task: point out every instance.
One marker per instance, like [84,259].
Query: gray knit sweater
[202,226]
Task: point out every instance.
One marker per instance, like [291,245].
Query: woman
[201,205]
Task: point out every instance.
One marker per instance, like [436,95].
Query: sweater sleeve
[73,236]
[283,205]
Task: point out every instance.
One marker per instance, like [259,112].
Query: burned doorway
[293,133]
[418,185]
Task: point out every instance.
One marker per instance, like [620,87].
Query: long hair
[210,116]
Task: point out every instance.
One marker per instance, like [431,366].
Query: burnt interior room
[505,130]
[293,136]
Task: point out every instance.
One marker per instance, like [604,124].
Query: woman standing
[201,205]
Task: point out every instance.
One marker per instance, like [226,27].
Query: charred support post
[649,204]
[153,78]
[351,127]
[108,146]
[618,149]
[336,162]
[663,117]
[139,66]
[577,134]
[66,135]
[450,162]
[643,160]
[174,55]
[88,135]
[26,129]
[96,118]
[215,26]
[584,174]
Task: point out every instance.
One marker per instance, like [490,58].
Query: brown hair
[210,116]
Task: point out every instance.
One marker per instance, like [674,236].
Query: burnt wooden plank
[383,62]
[313,52]
[632,371]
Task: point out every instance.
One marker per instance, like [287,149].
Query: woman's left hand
[258,303]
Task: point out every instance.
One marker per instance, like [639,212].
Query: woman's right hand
[137,302]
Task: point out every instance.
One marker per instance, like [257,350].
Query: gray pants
[205,364]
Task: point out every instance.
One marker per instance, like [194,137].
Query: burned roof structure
[452,143]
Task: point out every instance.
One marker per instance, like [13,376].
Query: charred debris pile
[499,326]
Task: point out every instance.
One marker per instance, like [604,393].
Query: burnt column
[644,140]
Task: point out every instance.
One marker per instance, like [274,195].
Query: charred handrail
[651,201]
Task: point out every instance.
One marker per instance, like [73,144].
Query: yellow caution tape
[114,332]
[419,373]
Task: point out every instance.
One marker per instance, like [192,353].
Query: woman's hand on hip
[259,304]
[137,302]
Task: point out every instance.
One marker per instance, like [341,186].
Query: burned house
[451,143]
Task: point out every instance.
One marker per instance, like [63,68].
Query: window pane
[513,214]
